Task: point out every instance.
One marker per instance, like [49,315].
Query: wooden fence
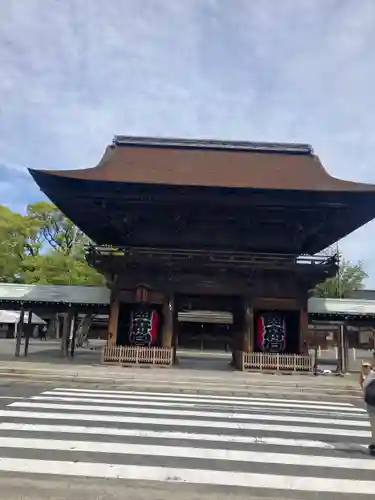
[138,355]
[273,362]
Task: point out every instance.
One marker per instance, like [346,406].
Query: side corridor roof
[94,295]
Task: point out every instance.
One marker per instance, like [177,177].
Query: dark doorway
[205,336]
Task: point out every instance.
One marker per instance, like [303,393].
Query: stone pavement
[203,372]
[183,380]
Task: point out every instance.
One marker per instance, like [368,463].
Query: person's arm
[361,380]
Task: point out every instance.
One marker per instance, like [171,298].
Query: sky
[76,72]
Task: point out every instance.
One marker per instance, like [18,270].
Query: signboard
[144,324]
[271,332]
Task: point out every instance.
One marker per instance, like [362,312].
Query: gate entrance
[205,331]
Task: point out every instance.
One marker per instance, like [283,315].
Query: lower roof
[306,222]
[54,294]
[13,317]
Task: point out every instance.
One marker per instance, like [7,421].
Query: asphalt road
[75,442]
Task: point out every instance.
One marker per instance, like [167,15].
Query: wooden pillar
[169,322]
[248,330]
[344,347]
[19,331]
[28,331]
[68,317]
[73,332]
[113,321]
[304,326]
[237,330]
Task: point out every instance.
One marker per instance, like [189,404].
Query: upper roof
[211,164]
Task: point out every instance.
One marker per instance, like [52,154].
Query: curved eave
[48,180]
[85,201]
[225,168]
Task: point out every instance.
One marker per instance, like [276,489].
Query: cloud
[74,73]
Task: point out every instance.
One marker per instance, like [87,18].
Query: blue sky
[76,72]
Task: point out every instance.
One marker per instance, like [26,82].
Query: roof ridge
[266,147]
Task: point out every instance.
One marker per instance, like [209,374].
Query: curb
[242,385]
[311,383]
[149,386]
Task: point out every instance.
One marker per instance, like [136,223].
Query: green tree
[59,258]
[58,269]
[56,230]
[350,277]
[43,247]
[17,240]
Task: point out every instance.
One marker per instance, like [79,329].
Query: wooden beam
[279,303]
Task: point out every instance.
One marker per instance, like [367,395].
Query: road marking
[147,394]
[337,412]
[159,401]
[193,413]
[139,433]
[187,452]
[334,431]
[193,476]
[12,397]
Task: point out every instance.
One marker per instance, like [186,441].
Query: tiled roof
[13,317]
[343,307]
[58,294]
[95,295]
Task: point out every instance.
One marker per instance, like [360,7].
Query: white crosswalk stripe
[262,444]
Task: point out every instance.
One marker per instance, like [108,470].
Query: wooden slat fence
[138,355]
[274,362]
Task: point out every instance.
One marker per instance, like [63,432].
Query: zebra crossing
[262,444]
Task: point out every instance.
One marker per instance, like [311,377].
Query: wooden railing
[261,361]
[138,355]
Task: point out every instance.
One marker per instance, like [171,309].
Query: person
[368,385]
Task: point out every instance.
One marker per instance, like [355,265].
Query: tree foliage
[350,277]
[43,247]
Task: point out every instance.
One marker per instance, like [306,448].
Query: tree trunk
[54,327]
[83,330]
